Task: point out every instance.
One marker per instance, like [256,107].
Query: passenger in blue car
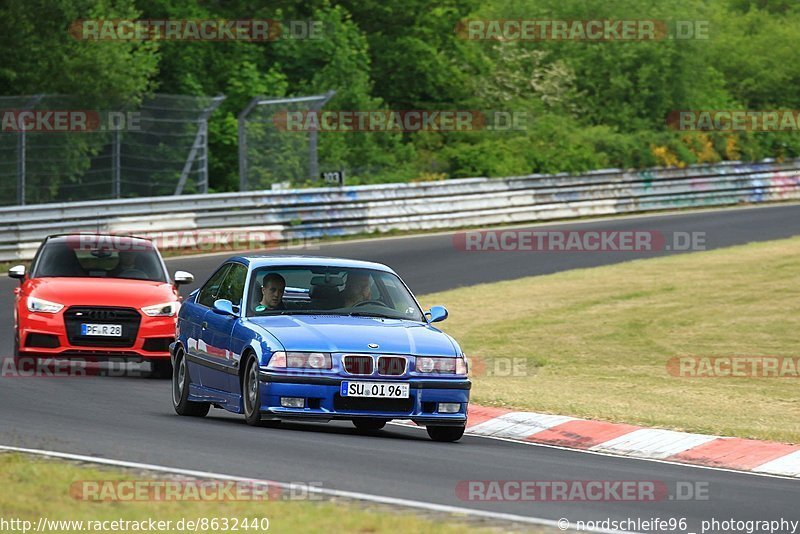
[357,288]
[272,289]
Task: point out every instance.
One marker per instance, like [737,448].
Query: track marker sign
[333,177]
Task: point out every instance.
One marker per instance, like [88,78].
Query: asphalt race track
[131,418]
[432,263]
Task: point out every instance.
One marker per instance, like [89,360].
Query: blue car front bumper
[323,400]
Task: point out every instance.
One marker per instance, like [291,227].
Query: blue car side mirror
[436,314]
[223,307]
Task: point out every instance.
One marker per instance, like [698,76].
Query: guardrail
[312,213]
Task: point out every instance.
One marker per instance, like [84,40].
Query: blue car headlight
[300,360]
[444,366]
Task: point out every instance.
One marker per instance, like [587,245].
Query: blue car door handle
[205,324]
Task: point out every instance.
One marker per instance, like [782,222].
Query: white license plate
[374,389]
[105,330]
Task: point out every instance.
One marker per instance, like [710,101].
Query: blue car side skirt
[221,399]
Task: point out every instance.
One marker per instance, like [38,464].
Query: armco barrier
[311,213]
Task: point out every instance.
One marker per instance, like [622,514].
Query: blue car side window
[209,292]
[232,287]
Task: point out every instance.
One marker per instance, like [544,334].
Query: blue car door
[221,373]
[196,317]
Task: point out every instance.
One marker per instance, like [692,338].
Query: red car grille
[358,365]
[391,365]
[128,318]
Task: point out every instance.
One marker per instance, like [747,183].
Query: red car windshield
[128,259]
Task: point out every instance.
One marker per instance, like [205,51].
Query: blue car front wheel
[251,394]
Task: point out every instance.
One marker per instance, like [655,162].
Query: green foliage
[341,61]
[40,56]
[588,104]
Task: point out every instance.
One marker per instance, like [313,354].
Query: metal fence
[269,151]
[293,141]
[159,148]
[168,154]
[311,213]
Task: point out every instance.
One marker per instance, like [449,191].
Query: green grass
[595,343]
[31,488]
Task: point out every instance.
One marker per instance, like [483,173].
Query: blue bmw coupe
[316,339]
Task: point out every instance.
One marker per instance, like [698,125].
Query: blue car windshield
[330,291]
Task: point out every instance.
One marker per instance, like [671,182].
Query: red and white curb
[636,442]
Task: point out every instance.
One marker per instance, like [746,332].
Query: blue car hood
[336,333]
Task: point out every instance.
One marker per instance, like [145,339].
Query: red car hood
[101,291]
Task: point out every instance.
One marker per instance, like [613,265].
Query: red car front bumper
[43,335]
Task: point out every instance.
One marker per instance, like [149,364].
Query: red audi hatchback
[97,298]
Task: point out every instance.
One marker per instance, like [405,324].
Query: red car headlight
[168,309]
[43,306]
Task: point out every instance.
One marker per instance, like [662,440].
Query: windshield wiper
[274,313]
[372,314]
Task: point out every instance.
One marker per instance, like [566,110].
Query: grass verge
[595,343]
[31,488]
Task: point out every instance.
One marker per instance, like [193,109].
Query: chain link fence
[53,149]
[270,152]
[168,154]
[10,146]
[161,148]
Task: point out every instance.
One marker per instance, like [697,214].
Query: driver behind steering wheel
[356,289]
[126,266]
